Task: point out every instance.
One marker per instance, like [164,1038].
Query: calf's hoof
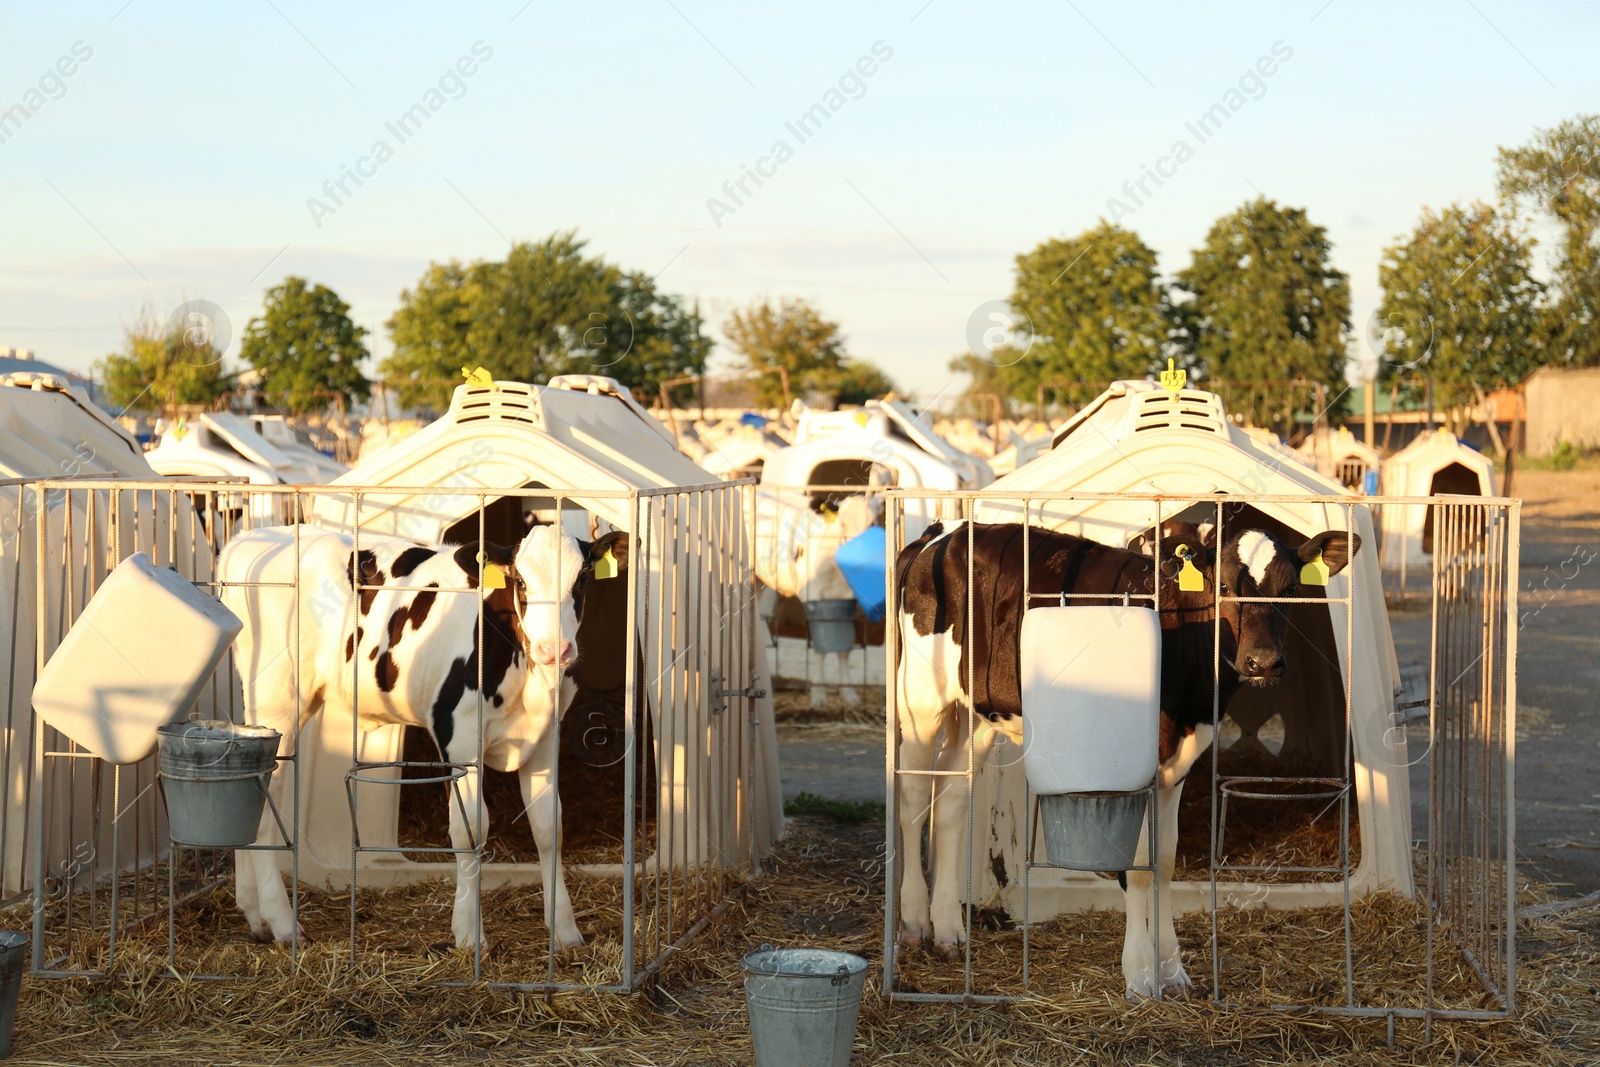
[1175,980]
[288,936]
[914,937]
[1175,985]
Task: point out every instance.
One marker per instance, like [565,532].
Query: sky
[194,150]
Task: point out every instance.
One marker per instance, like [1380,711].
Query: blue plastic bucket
[863,560]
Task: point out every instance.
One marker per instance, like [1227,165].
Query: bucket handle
[842,978]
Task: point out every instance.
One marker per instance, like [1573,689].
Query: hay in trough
[823,887]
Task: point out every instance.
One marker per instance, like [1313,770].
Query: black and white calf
[410,653]
[933,664]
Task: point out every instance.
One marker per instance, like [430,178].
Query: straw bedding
[823,887]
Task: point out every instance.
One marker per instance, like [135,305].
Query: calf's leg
[544,816]
[1151,956]
[847,692]
[469,827]
[917,754]
[259,887]
[951,847]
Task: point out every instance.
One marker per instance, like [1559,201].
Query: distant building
[17,360]
[1563,405]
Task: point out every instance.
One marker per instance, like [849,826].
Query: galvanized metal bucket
[214,776]
[13,961]
[1093,831]
[831,624]
[803,1005]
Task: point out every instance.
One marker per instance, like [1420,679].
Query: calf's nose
[1264,664]
[553,651]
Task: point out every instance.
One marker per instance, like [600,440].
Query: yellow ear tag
[494,575]
[829,515]
[1190,580]
[1315,572]
[861,418]
[478,379]
[1172,379]
[606,566]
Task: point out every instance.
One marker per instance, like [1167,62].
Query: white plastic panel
[1091,698]
[135,659]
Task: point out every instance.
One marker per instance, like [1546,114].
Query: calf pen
[1302,802]
[666,762]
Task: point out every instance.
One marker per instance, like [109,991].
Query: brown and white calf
[410,653]
[936,653]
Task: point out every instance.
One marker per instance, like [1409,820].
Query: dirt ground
[822,888]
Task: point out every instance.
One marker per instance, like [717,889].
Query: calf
[937,651]
[812,573]
[383,636]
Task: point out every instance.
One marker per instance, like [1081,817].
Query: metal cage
[679,753]
[1456,884]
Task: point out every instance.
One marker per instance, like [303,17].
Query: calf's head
[1256,563]
[544,575]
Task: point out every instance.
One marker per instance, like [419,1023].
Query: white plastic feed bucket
[803,1005]
[1091,715]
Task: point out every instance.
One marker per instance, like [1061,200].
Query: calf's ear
[616,542]
[1336,548]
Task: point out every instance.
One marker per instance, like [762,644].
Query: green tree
[305,347]
[792,335]
[161,366]
[858,381]
[1557,174]
[1266,304]
[1096,312]
[547,309]
[1461,305]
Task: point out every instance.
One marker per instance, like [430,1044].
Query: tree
[792,335]
[547,309]
[1095,309]
[858,381]
[1557,173]
[1266,304]
[161,365]
[305,347]
[1461,305]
